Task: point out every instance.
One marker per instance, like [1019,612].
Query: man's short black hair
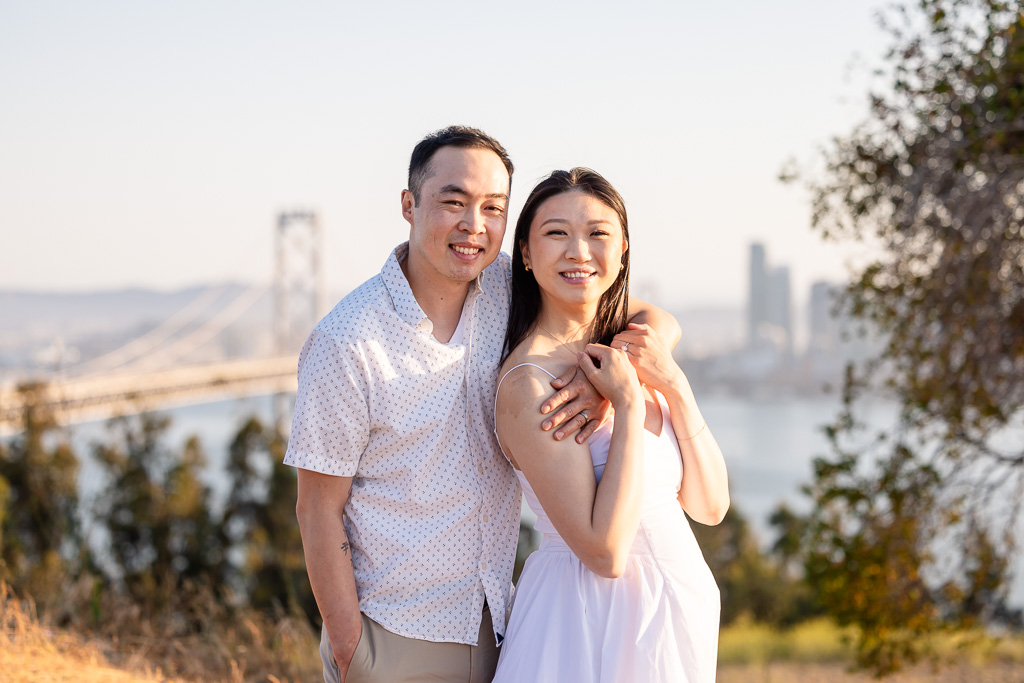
[452,136]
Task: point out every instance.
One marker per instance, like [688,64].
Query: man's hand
[575,406]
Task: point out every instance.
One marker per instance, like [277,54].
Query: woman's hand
[651,357]
[612,374]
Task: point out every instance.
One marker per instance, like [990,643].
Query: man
[408,511]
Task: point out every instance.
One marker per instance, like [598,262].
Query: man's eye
[453,202]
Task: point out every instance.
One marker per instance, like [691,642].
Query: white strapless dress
[657,622]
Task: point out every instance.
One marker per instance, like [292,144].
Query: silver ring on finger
[626,346]
[583,414]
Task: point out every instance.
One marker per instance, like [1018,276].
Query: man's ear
[408,204]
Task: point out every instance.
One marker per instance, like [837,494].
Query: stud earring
[527,267]
[622,266]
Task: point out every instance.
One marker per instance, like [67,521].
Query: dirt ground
[837,673]
[47,665]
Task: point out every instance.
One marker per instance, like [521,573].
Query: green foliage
[752,584]
[935,178]
[259,521]
[867,549]
[39,530]
[156,511]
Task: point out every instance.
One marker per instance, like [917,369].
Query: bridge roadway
[97,397]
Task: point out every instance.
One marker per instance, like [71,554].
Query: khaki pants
[382,656]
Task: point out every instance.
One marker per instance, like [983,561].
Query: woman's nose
[578,250]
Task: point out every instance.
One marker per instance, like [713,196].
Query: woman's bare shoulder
[527,373]
[524,381]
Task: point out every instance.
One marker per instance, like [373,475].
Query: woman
[618,590]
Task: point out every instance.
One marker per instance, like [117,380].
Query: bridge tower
[299,295]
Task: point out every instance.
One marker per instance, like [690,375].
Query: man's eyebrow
[451,188]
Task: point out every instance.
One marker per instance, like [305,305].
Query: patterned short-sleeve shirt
[433,517]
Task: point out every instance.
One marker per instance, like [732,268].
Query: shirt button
[483,565]
[480,469]
[485,518]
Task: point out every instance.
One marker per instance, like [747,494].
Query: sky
[153,144]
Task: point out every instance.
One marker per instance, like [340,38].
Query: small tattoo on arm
[344,547]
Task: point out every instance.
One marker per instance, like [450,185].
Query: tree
[157,512]
[935,177]
[752,583]
[259,523]
[39,530]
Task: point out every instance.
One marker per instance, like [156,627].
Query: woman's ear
[525,250]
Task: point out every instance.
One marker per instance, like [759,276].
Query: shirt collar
[397,284]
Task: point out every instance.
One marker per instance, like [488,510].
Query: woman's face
[575,248]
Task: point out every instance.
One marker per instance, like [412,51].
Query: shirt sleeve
[331,422]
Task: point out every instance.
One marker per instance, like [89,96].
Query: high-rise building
[757,312]
[770,319]
[779,311]
[823,325]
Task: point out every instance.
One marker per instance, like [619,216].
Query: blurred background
[187,187]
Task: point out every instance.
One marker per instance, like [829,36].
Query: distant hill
[75,312]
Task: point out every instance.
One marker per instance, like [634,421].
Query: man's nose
[473,222]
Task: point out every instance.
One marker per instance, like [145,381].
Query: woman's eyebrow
[596,221]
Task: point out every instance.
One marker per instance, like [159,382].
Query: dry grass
[32,652]
[257,648]
[214,645]
[745,642]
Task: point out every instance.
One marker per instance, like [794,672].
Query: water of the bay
[769,445]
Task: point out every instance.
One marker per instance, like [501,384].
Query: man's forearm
[643,313]
[329,565]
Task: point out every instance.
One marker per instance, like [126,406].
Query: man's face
[458,221]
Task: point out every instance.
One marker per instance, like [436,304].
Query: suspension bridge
[157,370]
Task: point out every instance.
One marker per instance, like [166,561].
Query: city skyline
[154,147]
